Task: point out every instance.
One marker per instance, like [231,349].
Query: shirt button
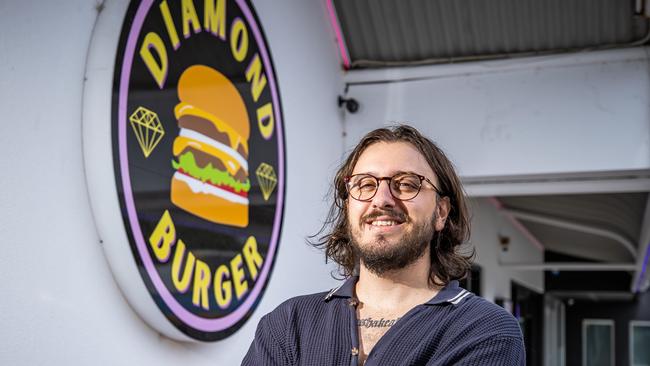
[355,351]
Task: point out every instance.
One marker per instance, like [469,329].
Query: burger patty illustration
[211,150]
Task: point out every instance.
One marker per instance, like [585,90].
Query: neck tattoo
[376,323]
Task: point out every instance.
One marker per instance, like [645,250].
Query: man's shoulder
[480,305]
[490,317]
[309,303]
[315,299]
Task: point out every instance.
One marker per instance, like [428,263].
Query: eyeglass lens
[403,186]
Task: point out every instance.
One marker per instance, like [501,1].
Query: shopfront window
[640,343]
[597,342]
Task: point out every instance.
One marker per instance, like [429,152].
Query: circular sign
[199,161]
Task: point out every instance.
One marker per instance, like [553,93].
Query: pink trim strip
[516,223]
[339,36]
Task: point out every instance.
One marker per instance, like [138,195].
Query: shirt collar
[452,293]
[346,290]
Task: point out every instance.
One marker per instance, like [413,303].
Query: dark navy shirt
[456,327]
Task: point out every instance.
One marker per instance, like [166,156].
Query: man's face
[387,233]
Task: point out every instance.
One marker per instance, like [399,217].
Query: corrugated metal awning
[380,33]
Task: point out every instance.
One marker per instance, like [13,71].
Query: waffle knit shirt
[456,327]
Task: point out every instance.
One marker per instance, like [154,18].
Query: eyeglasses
[402,186]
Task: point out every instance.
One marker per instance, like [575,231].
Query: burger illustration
[211,150]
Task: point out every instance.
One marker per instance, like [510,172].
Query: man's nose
[383,197]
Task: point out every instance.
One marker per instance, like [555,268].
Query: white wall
[557,114]
[60,304]
[487,226]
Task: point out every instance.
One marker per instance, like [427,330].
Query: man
[398,218]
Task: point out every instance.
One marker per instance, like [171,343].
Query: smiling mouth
[384,219]
[384,223]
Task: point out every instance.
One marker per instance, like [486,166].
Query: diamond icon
[267,179]
[147,128]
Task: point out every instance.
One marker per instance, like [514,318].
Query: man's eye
[367,185]
[406,185]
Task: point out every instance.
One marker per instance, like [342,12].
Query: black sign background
[150,177]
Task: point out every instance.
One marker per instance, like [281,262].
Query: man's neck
[408,286]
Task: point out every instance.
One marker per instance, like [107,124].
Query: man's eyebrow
[370,173]
[396,172]
[405,172]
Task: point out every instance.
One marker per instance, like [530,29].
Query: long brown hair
[447,263]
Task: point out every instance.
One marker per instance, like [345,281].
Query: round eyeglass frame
[390,188]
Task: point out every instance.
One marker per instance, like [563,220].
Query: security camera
[504,241]
[351,104]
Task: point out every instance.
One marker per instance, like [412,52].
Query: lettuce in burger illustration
[211,151]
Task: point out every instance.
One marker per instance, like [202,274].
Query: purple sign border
[196,322]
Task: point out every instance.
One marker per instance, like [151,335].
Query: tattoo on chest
[376,323]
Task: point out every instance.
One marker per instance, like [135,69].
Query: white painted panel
[583,113]
[488,224]
[60,304]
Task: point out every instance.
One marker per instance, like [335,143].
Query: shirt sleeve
[495,351]
[265,350]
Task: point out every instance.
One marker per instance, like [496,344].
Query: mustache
[393,215]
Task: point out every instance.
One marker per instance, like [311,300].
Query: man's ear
[442,211]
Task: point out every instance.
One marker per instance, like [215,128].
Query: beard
[380,256]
